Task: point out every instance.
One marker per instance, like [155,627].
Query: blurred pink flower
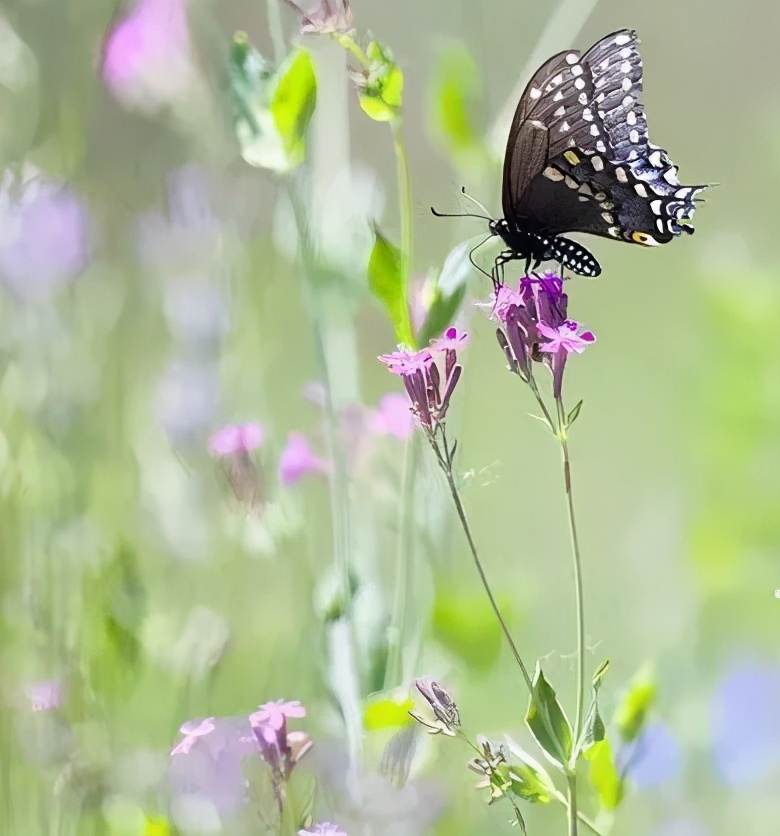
[192,730]
[323,16]
[44,696]
[298,459]
[275,713]
[147,56]
[393,416]
[324,829]
[235,439]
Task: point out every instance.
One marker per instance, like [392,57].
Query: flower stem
[405,201]
[578,590]
[446,465]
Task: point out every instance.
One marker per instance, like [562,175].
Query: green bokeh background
[110,536]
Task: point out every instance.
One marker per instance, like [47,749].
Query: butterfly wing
[600,173]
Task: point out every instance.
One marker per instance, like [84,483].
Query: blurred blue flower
[745,714]
[653,758]
[682,827]
[186,402]
[44,236]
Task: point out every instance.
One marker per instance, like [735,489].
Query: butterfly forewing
[579,159]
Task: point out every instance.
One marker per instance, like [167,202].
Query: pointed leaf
[593,729]
[572,416]
[548,722]
[389,284]
[603,775]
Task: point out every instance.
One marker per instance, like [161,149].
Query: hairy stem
[446,465]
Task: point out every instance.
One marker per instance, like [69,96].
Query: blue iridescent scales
[579,159]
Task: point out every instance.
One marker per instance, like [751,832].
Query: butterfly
[579,159]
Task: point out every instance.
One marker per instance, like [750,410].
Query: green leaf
[293,103]
[631,715]
[548,722]
[271,110]
[603,776]
[447,294]
[386,713]
[593,729]
[454,86]
[466,625]
[388,283]
[529,778]
[572,416]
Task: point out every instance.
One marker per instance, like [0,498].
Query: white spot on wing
[621,175]
[597,163]
[640,190]
[655,205]
[625,67]
[552,174]
[577,71]
[622,40]
[579,83]
[535,93]
[633,136]
[626,85]
[631,118]
[561,110]
[572,58]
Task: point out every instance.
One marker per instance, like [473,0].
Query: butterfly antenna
[459,215]
[474,263]
[474,200]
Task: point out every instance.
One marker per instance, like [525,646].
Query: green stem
[276,30]
[591,825]
[406,205]
[577,560]
[394,668]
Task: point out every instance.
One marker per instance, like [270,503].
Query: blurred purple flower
[44,696]
[235,439]
[147,56]
[429,393]
[323,16]
[746,723]
[393,416]
[44,236]
[298,460]
[653,758]
[212,773]
[192,730]
[535,328]
[324,829]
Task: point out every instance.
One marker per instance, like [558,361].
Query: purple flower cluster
[428,385]
[535,327]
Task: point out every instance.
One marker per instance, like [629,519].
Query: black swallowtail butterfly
[579,159]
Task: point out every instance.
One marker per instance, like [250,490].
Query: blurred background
[160,280]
